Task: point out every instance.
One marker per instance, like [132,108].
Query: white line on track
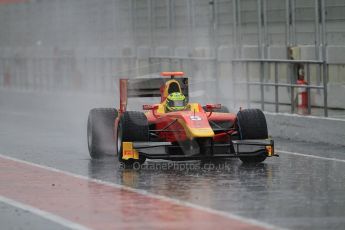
[311,156]
[159,197]
[44,214]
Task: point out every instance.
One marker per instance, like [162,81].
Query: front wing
[238,148]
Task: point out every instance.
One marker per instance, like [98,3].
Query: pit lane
[302,189]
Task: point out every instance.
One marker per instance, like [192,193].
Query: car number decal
[195,118]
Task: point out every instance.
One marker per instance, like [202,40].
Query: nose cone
[197,125]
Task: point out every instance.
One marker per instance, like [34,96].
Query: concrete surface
[307,128]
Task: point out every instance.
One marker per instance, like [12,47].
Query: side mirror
[150,107]
[211,107]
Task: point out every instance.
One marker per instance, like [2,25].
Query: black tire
[222,109]
[100,136]
[251,125]
[133,126]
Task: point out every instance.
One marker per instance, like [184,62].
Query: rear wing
[147,87]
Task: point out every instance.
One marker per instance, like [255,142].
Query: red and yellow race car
[174,128]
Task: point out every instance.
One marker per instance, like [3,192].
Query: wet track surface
[292,191]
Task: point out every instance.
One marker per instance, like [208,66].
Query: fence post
[276,87]
[262,72]
[292,89]
[308,89]
[325,91]
[247,83]
[233,70]
[325,65]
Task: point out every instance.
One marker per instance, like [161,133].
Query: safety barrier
[306,128]
[65,73]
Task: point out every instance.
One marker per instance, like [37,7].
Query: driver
[175,102]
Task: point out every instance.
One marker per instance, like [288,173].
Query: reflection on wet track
[291,191]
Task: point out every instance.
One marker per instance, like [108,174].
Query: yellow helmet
[176,102]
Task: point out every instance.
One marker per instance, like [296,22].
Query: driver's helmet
[176,102]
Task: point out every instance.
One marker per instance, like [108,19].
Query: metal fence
[239,76]
[265,65]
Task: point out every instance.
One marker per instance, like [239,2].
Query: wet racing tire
[251,125]
[133,126]
[100,132]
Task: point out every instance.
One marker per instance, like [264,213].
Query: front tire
[133,126]
[100,132]
[251,125]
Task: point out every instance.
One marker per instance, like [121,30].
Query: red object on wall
[302,97]
[7,79]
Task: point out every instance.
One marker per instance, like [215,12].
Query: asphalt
[13,218]
[295,191]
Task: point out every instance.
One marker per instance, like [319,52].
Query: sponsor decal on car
[195,118]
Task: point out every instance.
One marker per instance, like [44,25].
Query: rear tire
[100,132]
[252,124]
[133,126]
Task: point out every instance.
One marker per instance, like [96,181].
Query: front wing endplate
[128,152]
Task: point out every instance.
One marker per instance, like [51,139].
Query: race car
[172,128]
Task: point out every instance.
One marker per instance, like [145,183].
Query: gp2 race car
[190,132]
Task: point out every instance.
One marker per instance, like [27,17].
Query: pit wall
[306,129]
